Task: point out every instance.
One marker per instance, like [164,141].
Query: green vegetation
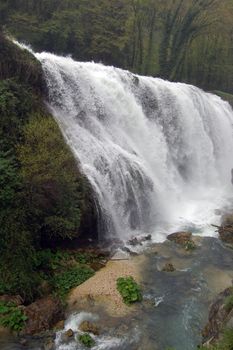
[86,340]
[71,278]
[43,201]
[54,195]
[11,316]
[186,40]
[129,290]
[225,342]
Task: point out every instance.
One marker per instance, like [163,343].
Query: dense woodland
[180,40]
[42,203]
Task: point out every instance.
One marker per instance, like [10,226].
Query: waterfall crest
[157,154]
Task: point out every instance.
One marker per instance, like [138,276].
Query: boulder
[42,315]
[181,238]
[69,333]
[168,268]
[89,327]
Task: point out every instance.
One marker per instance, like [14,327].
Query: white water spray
[157,154]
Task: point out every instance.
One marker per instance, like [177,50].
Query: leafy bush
[86,340]
[71,278]
[129,290]
[11,316]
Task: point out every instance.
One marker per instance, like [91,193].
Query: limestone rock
[89,327]
[181,238]
[168,268]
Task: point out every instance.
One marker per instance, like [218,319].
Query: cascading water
[157,154]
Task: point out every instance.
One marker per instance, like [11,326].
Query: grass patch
[129,290]
[11,316]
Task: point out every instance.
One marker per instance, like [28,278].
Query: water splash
[157,154]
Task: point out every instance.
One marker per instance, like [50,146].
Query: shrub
[86,340]
[129,290]
[11,316]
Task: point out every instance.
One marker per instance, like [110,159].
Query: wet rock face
[219,317]
[181,238]
[43,314]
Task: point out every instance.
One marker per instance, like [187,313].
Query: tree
[183,22]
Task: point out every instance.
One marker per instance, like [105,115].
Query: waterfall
[157,154]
